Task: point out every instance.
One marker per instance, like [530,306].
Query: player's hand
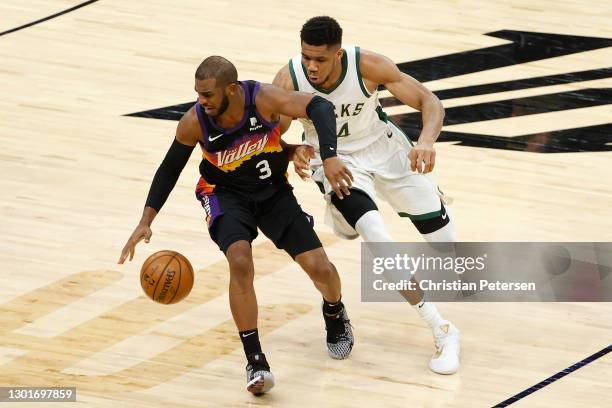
[141,232]
[301,160]
[422,157]
[338,175]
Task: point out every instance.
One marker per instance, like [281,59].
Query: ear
[232,88]
[339,53]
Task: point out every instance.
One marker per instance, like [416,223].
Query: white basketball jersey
[359,116]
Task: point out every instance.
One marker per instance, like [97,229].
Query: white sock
[372,228]
[429,313]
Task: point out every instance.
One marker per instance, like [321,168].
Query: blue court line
[78,6]
[554,377]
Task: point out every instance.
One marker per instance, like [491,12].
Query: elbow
[319,104]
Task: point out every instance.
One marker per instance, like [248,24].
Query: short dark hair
[218,68]
[321,30]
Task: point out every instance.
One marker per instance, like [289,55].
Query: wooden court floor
[75,173]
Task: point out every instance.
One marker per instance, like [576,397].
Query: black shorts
[232,217]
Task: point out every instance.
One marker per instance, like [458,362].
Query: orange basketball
[166,277]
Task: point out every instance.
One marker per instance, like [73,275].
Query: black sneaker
[339,334]
[259,377]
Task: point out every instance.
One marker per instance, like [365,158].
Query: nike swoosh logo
[444,216]
[389,135]
[247,335]
[212,139]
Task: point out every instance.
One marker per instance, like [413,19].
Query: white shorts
[383,169]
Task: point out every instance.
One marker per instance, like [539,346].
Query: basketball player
[243,187]
[381,158]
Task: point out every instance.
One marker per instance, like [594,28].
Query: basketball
[166,277]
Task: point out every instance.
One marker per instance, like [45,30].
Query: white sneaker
[448,347]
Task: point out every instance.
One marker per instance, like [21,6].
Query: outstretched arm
[283,80]
[381,70]
[274,101]
[163,182]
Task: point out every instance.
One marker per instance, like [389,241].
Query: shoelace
[438,340]
[259,367]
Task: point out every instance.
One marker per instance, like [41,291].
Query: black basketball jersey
[246,158]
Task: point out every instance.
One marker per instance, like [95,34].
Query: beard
[222,108]
[224,105]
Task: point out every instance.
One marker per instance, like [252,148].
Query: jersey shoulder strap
[297,73]
[351,72]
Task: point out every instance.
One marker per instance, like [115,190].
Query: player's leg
[415,197]
[324,275]
[233,228]
[361,213]
[412,195]
[356,214]
[234,239]
[291,229]
[243,303]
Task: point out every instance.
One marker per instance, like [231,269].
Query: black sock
[250,341]
[332,309]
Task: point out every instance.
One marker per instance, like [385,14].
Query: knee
[372,228]
[320,270]
[436,223]
[241,268]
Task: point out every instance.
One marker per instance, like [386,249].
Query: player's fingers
[304,165]
[419,161]
[303,174]
[345,189]
[300,156]
[426,161]
[305,154]
[432,161]
[123,255]
[428,165]
[134,241]
[336,188]
[413,161]
[347,179]
[301,170]
[132,252]
[350,175]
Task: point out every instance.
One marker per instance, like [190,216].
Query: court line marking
[78,6]
[554,377]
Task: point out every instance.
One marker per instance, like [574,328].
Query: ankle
[429,313]
[332,308]
[250,341]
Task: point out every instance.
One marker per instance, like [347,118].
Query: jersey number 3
[264,168]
